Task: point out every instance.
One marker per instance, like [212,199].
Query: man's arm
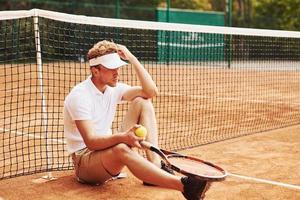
[96,142]
[148,88]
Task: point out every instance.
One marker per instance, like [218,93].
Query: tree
[218,5]
[243,13]
[267,14]
[277,14]
[188,4]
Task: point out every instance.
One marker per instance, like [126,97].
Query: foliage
[267,14]
[270,14]
[188,4]
[279,14]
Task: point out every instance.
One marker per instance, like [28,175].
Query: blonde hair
[102,48]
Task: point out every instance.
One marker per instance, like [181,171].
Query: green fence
[190,46]
[130,9]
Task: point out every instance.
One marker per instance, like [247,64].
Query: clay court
[270,156]
[226,95]
[198,109]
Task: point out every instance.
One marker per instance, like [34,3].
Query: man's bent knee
[142,103]
[121,149]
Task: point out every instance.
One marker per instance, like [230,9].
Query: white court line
[32,135]
[296,187]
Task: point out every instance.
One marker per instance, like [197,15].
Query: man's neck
[101,87]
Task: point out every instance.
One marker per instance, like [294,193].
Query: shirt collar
[93,88]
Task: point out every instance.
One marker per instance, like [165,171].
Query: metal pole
[229,12]
[229,23]
[44,116]
[168,10]
[168,33]
[117,9]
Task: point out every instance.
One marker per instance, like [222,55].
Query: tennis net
[215,83]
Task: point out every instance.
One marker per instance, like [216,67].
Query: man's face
[108,76]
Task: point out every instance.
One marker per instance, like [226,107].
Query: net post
[49,176]
[228,50]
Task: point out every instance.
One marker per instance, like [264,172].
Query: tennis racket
[187,165]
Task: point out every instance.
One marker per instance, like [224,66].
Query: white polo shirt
[86,102]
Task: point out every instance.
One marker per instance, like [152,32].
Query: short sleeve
[79,106]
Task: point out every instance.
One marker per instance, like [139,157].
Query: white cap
[110,61]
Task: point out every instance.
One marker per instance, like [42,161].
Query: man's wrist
[132,59]
[121,137]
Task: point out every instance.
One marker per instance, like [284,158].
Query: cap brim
[114,64]
[110,61]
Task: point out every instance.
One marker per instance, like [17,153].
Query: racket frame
[165,155]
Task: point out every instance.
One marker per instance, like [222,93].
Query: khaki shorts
[89,168]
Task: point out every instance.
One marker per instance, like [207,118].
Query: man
[89,110]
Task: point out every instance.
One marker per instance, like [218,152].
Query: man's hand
[148,87]
[131,139]
[124,53]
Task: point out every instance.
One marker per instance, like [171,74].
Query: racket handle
[148,145]
[145,144]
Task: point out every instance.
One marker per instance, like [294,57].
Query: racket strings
[195,167]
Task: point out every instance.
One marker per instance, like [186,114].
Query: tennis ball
[141,132]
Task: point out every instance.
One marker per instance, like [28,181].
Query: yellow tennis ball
[141,132]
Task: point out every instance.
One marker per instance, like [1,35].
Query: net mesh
[212,86]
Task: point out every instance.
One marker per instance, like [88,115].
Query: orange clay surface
[273,155]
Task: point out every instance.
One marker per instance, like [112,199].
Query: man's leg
[141,111]
[121,155]
[115,158]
